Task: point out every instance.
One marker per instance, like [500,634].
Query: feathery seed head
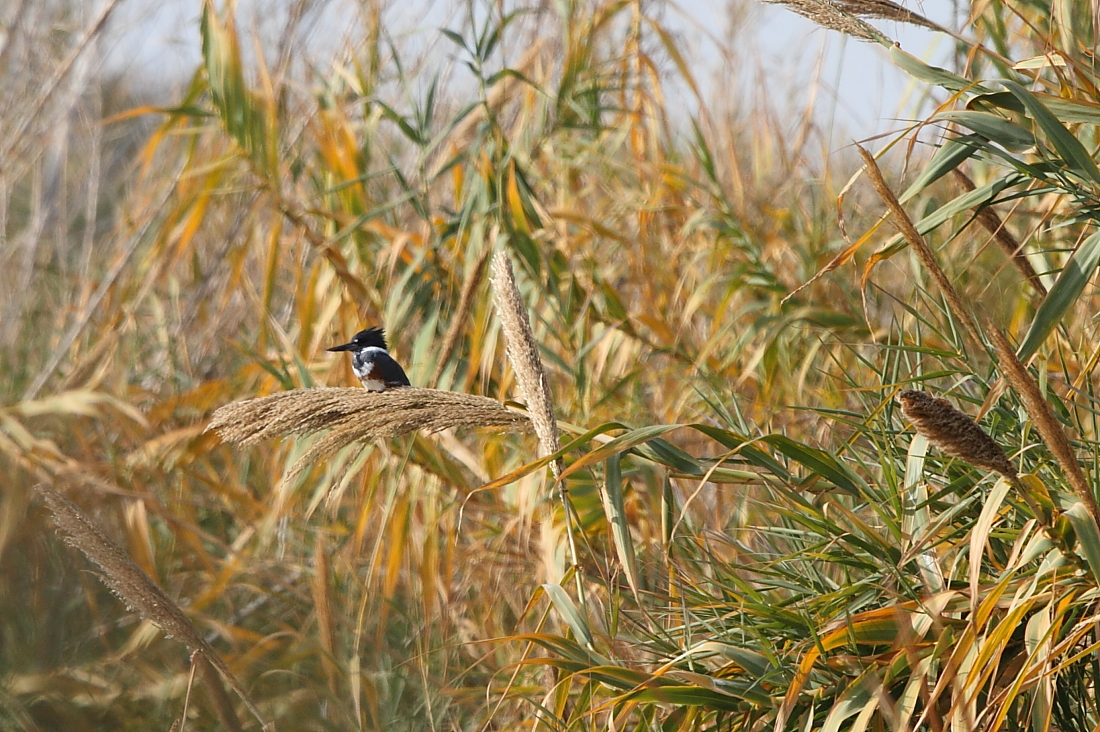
[359,414]
[834,16]
[354,415]
[954,432]
[523,354]
[134,587]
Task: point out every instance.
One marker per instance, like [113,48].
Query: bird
[371,361]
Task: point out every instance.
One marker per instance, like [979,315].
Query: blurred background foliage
[761,540]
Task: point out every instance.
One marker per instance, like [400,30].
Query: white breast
[363,365]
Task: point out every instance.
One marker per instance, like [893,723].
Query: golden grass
[656,272]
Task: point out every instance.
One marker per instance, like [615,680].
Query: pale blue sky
[859,90]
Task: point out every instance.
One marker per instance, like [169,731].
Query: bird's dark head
[369,338]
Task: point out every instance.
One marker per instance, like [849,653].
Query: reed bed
[757,500]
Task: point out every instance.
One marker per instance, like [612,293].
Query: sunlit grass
[737,527]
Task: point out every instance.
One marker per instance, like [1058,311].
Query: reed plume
[357,414]
[885,10]
[954,432]
[134,587]
[523,354]
[353,415]
[959,436]
[841,16]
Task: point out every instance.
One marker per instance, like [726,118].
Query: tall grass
[727,522]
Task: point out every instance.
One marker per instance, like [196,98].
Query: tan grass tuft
[1043,417]
[523,354]
[354,415]
[954,432]
[886,10]
[836,16]
[133,586]
[357,414]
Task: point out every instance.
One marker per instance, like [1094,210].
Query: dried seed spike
[523,353]
[885,10]
[954,432]
[133,586]
[357,414]
[354,415]
[834,17]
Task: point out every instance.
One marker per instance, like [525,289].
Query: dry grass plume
[836,16]
[354,415]
[523,354]
[134,587]
[954,432]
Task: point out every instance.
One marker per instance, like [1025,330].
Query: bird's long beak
[345,347]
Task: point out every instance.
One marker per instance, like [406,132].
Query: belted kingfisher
[371,361]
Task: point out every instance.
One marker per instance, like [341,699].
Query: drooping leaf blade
[1071,282]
